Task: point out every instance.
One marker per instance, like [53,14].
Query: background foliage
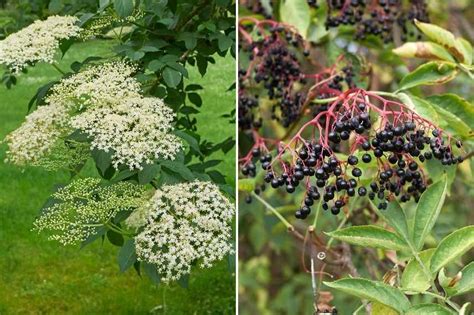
[272,279]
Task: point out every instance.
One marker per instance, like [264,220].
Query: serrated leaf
[178,167]
[172,77]
[374,291]
[127,256]
[247,184]
[443,118]
[431,73]
[451,247]
[456,105]
[191,140]
[424,50]
[156,65]
[296,13]
[427,211]
[124,8]
[395,216]
[445,39]
[115,238]
[148,173]
[413,277]
[429,309]
[152,273]
[369,235]
[224,42]
[195,99]
[102,159]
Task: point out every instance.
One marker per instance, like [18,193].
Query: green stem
[273,210]
[316,216]
[445,299]
[55,66]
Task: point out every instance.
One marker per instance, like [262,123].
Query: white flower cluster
[84,205]
[38,135]
[103,101]
[136,130]
[37,42]
[185,223]
[96,85]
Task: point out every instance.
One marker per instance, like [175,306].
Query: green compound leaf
[369,235]
[427,211]
[429,309]
[413,277]
[127,256]
[431,73]
[452,246]
[374,291]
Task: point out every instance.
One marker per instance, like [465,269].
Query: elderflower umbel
[185,223]
[96,85]
[136,130]
[36,137]
[104,102]
[85,205]
[37,42]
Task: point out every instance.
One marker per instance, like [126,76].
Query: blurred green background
[38,276]
[272,279]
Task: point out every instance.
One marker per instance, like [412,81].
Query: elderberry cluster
[276,69]
[379,18]
[398,148]
[247,104]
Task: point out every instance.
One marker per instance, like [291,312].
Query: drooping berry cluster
[275,67]
[278,67]
[379,18]
[391,156]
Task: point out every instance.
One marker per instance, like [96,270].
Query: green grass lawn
[38,276]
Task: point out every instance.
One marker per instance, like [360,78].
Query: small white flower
[37,42]
[182,224]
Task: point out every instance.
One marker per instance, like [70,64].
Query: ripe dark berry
[356,172]
[352,160]
[366,145]
[335,210]
[362,191]
[366,158]
[290,189]
[413,166]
